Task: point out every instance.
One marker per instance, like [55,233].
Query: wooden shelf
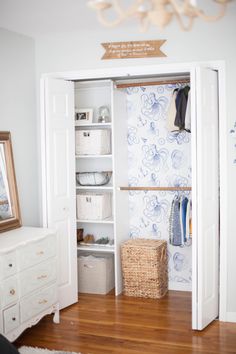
[104,221]
[155,188]
[96,248]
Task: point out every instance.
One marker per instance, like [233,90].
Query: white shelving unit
[93,95]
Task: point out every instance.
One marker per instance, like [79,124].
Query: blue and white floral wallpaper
[157,157]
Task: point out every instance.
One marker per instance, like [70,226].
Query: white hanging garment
[188,113]
[170,122]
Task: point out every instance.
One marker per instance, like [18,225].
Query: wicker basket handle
[163,254]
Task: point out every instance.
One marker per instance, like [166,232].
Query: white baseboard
[231,317]
[180,286]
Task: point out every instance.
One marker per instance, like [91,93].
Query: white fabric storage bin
[93,142]
[93,206]
[95,274]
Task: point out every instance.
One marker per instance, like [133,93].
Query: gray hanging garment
[175,225]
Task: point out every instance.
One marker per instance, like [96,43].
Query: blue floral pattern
[157,157]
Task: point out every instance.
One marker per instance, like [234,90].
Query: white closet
[92,89]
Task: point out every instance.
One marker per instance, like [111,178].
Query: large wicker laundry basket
[145,268]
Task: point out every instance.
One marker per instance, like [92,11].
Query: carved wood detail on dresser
[28,279]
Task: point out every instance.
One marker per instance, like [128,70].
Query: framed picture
[83,116]
[9,203]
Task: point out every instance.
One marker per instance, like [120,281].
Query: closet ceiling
[40,17]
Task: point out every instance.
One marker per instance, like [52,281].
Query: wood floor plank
[124,325]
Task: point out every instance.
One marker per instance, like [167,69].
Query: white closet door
[206,238]
[60,181]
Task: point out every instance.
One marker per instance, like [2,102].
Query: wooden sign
[136,49]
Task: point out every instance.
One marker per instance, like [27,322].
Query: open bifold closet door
[60,182]
[205,297]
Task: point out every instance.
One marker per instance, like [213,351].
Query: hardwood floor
[107,324]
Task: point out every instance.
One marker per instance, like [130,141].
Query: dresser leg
[56,317]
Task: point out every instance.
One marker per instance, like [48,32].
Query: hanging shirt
[175,226]
[181,105]
[183,217]
[170,122]
[188,114]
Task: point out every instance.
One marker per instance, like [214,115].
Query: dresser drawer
[37,276]
[7,264]
[9,291]
[32,305]
[37,252]
[11,318]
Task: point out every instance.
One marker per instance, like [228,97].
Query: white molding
[230,317]
[179,286]
[223,153]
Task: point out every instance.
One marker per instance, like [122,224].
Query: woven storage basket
[145,268]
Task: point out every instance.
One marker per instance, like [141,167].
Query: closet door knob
[13,318]
[12,292]
[10,265]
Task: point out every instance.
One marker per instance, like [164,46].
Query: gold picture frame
[10,217]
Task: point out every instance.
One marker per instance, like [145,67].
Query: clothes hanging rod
[155,188]
[153,83]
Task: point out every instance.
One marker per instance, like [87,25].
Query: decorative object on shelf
[80,235]
[93,142]
[93,178]
[102,241]
[134,49]
[9,202]
[83,116]
[103,114]
[155,12]
[89,238]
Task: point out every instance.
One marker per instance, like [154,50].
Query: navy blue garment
[184,203]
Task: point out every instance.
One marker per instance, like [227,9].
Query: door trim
[123,72]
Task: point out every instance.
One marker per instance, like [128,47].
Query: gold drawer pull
[43,276]
[12,292]
[40,253]
[43,302]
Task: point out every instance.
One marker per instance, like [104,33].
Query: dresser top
[17,237]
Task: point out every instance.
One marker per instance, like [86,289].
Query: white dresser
[28,279]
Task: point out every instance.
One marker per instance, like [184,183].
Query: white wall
[82,50]
[18,115]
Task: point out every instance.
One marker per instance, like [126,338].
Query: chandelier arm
[106,23]
[205,17]
[122,15]
[179,8]
[144,24]
[183,27]
[118,8]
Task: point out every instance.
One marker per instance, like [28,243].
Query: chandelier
[155,12]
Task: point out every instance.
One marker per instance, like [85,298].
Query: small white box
[96,274]
[93,206]
[93,142]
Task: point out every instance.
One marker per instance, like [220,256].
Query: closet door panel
[206,270]
[120,178]
[61,208]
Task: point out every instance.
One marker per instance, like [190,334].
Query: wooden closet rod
[153,83]
[155,188]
